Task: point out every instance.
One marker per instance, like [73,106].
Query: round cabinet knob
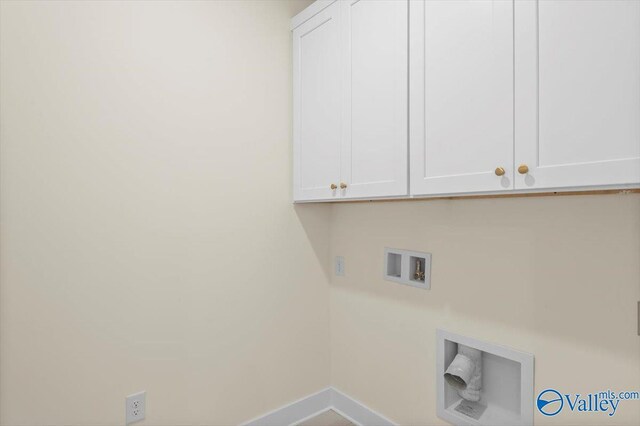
[523,169]
[500,171]
[333,186]
[343,185]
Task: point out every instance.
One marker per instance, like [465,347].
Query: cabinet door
[577,93]
[461,96]
[375,144]
[316,106]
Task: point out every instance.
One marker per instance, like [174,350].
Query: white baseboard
[295,411]
[317,403]
[356,411]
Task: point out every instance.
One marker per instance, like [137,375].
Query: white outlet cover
[135,407]
[339,266]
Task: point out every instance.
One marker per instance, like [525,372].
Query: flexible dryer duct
[465,373]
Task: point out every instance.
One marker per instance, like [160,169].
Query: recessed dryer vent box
[506,391]
[408,267]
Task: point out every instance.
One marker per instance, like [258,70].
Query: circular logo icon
[550,402]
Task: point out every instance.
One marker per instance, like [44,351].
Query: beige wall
[148,239]
[556,277]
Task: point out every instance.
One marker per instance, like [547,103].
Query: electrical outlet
[135,405]
[339,266]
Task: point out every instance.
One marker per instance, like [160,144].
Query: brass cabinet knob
[523,169]
[499,171]
[333,186]
[343,185]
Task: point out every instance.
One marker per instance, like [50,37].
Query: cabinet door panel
[375,98]
[316,109]
[461,70]
[578,93]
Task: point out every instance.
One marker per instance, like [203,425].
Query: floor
[328,418]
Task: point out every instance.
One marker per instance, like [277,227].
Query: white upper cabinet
[397,98]
[577,93]
[350,100]
[317,72]
[461,90]
[374,150]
